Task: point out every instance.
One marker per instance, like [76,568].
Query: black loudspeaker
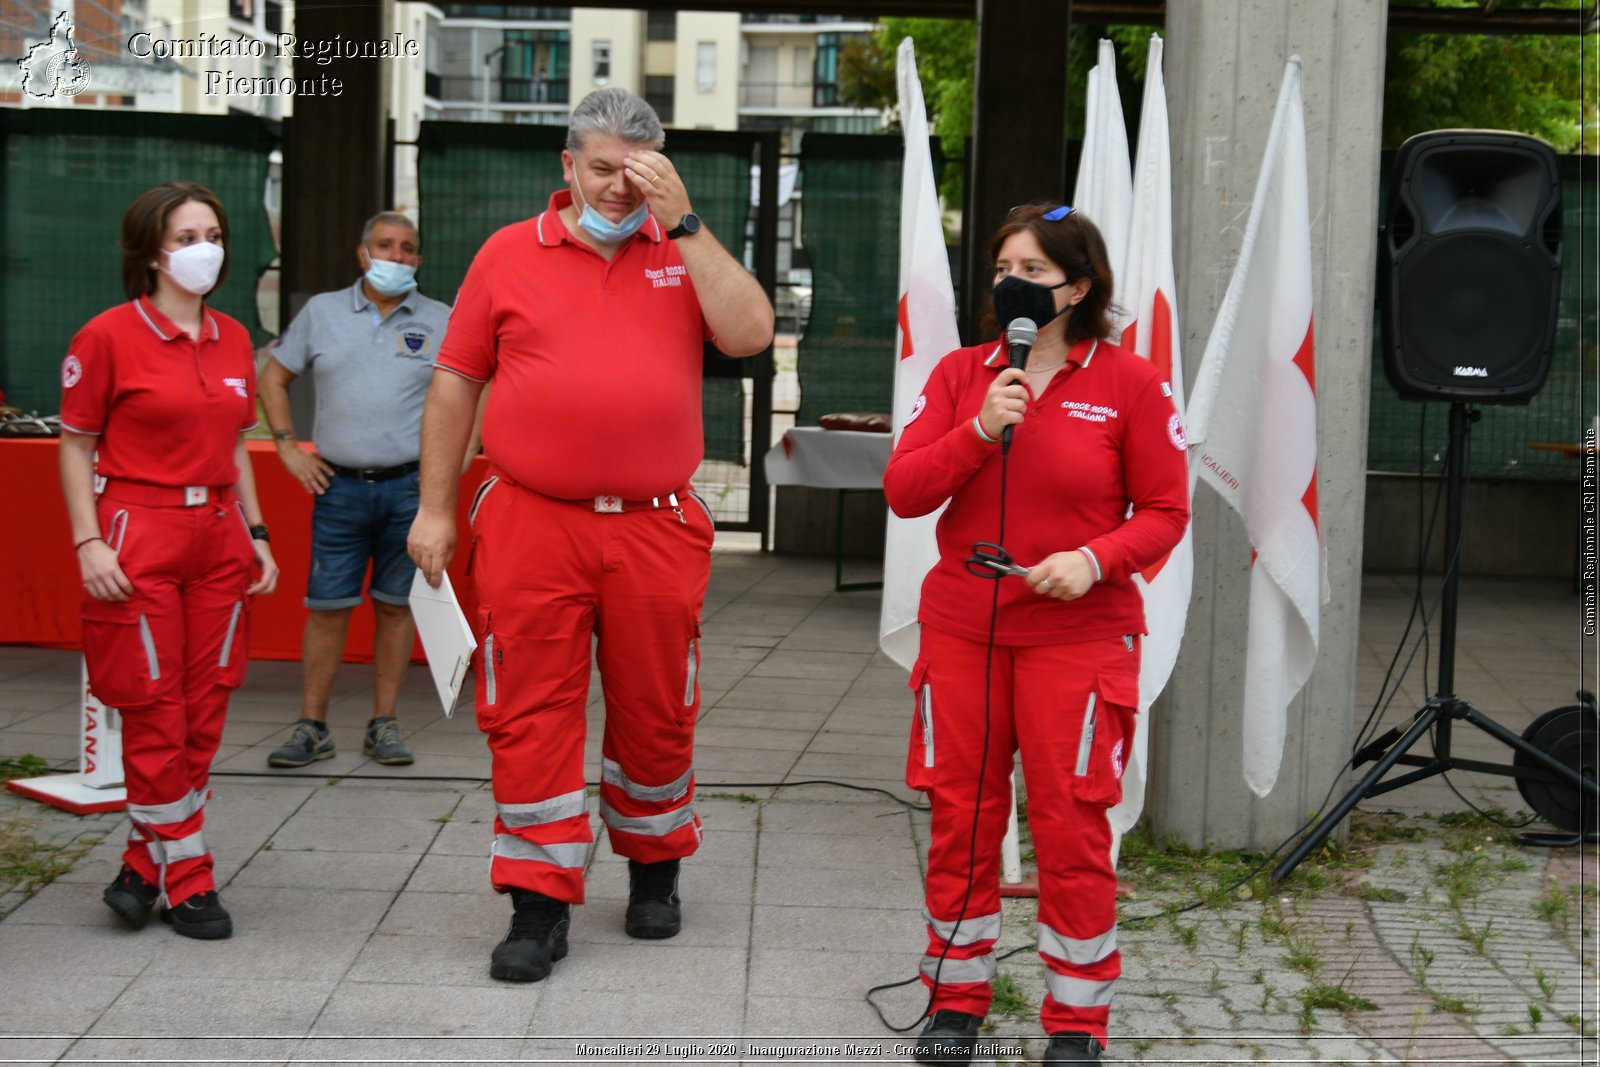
[1470,266]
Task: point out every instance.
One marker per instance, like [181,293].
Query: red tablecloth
[40,588]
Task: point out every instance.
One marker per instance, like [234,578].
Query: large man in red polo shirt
[589,319]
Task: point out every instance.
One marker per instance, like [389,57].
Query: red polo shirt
[1103,436]
[595,363]
[167,410]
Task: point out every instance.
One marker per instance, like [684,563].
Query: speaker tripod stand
[1555,762]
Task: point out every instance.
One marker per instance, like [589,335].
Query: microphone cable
[977,807]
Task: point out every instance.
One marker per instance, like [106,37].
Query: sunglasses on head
[1055,214]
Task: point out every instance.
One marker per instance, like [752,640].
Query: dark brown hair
[1074,244]
[145,225]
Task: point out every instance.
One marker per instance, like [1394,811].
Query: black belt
[375,474]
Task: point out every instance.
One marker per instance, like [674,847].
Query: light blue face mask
[390,278]
[603,229]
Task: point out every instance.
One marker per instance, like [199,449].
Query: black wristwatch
[258,532]
[690,223]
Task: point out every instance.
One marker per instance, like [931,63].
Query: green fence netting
[851,232]
[1558,413]
[475,178]
[66,179]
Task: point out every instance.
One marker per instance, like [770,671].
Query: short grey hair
[615,113]
[391,218]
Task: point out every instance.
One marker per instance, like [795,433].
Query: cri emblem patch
[916,409]
[71,371]
[1175,432]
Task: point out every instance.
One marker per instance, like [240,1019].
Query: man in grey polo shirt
[370,349]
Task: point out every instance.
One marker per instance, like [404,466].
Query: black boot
[131,897]
[1069,1047]
[202,916]
[654,910]
[537,938]
[949,1038]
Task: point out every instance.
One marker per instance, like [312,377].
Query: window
[705,66]
[658,93]
[825,82]
[802,66]
[533,67]
[661,26]
[601,54]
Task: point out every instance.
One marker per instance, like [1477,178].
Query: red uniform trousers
[1070,709]
[550,575]
[167,658]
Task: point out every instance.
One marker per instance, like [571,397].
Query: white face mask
[195,267]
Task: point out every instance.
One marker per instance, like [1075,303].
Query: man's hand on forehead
[657,180]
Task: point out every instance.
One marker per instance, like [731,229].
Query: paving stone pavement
[364,920]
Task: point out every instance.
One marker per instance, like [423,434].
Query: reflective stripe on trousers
[1080,952]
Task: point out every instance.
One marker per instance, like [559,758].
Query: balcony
[534,91]
[783,96]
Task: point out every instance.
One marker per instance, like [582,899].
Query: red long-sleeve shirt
[1103,436]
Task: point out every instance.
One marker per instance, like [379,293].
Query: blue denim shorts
[353,523]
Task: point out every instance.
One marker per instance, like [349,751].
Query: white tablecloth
[829,459]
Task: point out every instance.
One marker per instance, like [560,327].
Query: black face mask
[1017,298]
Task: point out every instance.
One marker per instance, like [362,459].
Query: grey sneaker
[383,743]
[310,741]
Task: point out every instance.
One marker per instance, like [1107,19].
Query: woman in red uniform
[1092,488]
[156,395]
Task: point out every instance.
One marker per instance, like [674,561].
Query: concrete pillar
[1018,151]
[1224,65]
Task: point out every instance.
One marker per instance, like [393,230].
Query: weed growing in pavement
[1302,954]
[1266,995]
[1579,1023]
[1535,1014]
[26,766]
[1259,977]
[1476,938]
[1367,891]
[1555,906]
[1189,935]
[1334,998]
[1349,931]
[1216,985]
[1421,958]
[1009,1001]
[1453,1005]
[1382,828]
[1462,878]
[743,798]
[1547,985]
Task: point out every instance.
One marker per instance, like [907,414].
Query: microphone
[1020,336]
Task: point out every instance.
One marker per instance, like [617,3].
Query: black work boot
[654,910]
[949,1038]
[537,938]
[1069,1047]
[202,916]
[131,897]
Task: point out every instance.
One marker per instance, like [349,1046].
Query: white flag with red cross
[1253,428]
[927,331]
[1147,289]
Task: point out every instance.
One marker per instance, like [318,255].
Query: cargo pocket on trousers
[234,656]
[119,649]
[1105,737]
[920,754]
[691,675]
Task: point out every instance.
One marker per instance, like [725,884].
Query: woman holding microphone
[1031,622]
[156,396]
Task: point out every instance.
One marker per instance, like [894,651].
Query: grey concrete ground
[364,921]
